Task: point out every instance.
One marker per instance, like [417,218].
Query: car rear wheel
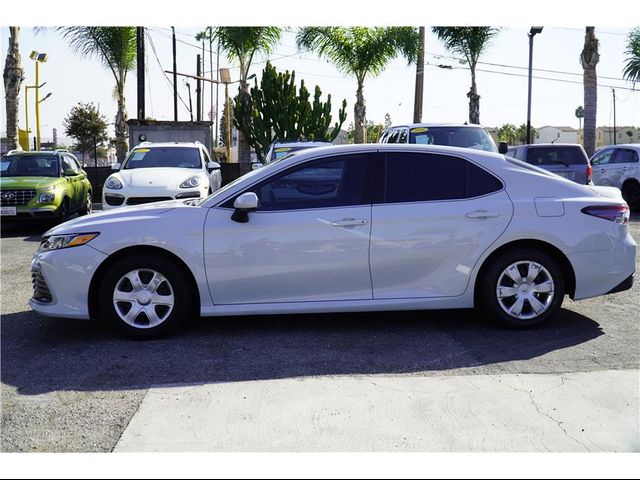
[144,296]
[631,195]
[522,288]
[88,205]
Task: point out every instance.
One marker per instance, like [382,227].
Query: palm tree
[632,68]
[470,42]
[116,48]
[242,44]
[13,77]
[361,52]
[590,58]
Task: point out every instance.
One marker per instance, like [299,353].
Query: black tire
[87,208]
[631,195]
[178,285]
[63,211]
[495,308]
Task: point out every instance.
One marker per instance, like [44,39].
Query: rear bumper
[622,286]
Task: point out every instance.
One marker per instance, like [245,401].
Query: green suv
[46,185]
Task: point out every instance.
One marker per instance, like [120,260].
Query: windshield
[564,155]
[30,166]
[466,137]
[153,157]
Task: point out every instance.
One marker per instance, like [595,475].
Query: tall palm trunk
[589,59]
[120,124]
[13,78]
[360,113]
[474,99]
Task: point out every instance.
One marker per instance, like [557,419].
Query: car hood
[27,183]
[157,177]
[96,221]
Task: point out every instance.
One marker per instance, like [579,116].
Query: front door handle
[482,214]
[349,222]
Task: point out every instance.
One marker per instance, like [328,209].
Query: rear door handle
[482,214]
[349,222]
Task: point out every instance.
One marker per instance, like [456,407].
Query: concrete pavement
[573,412]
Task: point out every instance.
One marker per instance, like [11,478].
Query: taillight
[589,173]
[615,213]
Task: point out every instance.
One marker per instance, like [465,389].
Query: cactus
[278,110]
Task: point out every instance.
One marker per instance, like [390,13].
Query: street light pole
[532,33]
[38,58]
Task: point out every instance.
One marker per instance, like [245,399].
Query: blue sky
[502,81]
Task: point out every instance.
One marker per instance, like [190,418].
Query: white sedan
[346,228]
[153,172]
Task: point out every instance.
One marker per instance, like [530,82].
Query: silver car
[569,160]
[618,166]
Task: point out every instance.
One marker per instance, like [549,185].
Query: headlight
[56,242]
[191,182]
[113,183]
[47,197]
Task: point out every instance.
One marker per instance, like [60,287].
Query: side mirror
[503,147]
[70,172]
[245,203]
[213,166]
[116,166]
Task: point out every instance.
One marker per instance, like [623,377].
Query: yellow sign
[23,139]
[419,130]
[282,149]
[143,150]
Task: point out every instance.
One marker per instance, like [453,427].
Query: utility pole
[615,135]
[417,105]
[140,71]
[532,33]
[175,79]
[198,92]
[190,106]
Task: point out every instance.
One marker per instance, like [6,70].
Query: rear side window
[560,155]
[393,136]
[422,177]
[625,156]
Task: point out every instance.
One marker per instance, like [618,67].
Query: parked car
[43,185]
[346,228]
[618,166]
[153,172]
[279,149]
[568,160]
[454,135]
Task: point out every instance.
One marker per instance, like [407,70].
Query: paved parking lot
[76,386]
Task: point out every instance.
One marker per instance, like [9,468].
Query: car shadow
[31,230]
[41,355]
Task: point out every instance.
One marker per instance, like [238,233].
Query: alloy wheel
[525,290]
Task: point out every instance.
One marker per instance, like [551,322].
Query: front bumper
[117,198]
[67,274]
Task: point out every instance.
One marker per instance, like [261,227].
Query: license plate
[8,211]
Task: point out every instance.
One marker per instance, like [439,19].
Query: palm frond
[632,66]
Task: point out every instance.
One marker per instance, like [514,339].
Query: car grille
[15,198]
[141,200]
[41,291]
[114,200]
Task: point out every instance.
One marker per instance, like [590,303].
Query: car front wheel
[87,208]
[144,296]
[522,288]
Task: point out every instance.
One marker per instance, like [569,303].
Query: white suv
[153,172]
[619,166]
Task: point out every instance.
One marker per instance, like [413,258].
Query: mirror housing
[245,203]
[70,172]
[116,166]
[213,166]
[503,147]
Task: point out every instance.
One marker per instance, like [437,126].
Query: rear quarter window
[569,155]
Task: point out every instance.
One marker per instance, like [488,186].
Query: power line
[164,75]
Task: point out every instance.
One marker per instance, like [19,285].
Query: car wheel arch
[94,285]
[546,247]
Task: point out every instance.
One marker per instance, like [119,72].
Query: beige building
[550,134]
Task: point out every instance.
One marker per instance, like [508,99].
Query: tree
[579,115]
[222,141]
[373,132]
[589,59]
[362,52]
[509,133]
[387,120]
[13,77]
[521,133]
[632,67]
[470,42]
[277,110]
[241,44]
[115,47]
[86,125]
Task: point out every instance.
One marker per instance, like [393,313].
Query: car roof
[292,143]
[168,144]
[431,125]
[25,153]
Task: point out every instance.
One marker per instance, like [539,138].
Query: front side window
[333,182]
[153,157]
[30,166]
[602,158]
[423,177]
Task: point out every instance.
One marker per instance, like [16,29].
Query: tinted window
[67,164]
[402,136]
[466,137]
[625,156]
[567,155]
[420,177]
[182,157]
[393,136]
[30,166]
[602,158]
[334,182]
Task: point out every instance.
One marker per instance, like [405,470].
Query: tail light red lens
[614,213]
[589,173]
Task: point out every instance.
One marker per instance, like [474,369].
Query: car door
[601,166]
[74,182]
[308,240]
[622,160]
[215,177]
[83,180]
[433,217]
